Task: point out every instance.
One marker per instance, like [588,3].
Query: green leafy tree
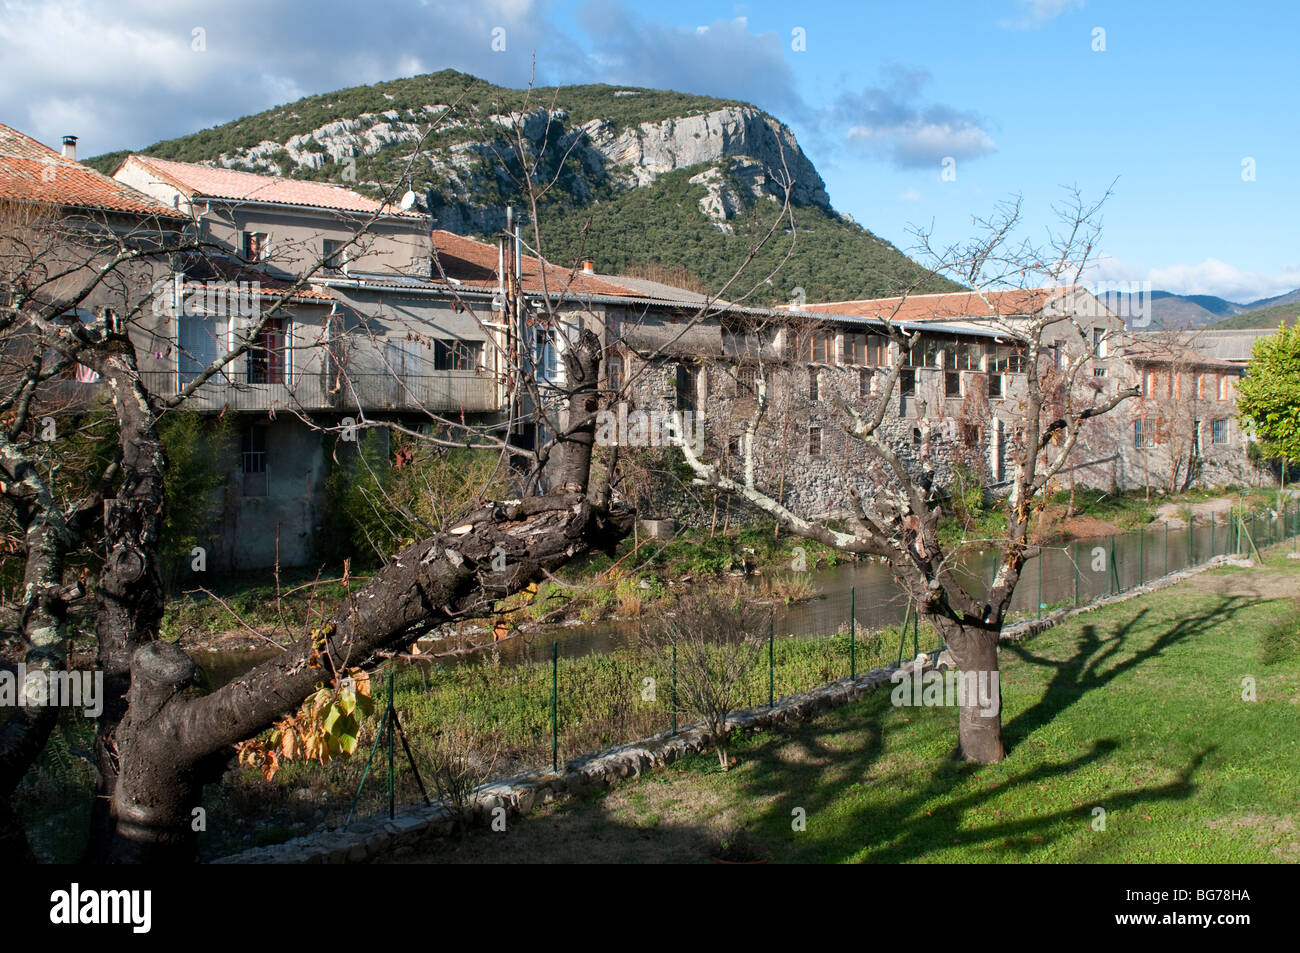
[1269,395]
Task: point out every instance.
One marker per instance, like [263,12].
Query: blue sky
[1013,90]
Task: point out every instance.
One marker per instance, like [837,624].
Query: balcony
[440,392]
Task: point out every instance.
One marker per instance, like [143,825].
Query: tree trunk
[979,724]
[130,600]
[170,743]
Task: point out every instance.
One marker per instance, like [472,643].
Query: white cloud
[1209,277]
[889,121]
[723,58]
[1034,13]
[909,195]
[124,73]
[1215,277]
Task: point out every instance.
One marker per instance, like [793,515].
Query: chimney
[588,267]
[70,148]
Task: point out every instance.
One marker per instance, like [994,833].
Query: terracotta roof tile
[33,172]
[942,307]
[474,263]
[207,181]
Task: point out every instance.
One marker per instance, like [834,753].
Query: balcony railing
[441,392]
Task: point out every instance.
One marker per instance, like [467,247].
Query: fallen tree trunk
[170,742]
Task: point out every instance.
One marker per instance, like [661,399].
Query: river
[1066,573]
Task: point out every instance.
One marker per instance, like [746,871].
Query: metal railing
[339,390]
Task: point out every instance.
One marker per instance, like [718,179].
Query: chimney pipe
[588,267]
[70,148]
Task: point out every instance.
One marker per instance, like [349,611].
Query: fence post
[1114,566]
[1166,547]
[1211,535]
[674,697]
[1074,558]
[853,609]
[1142,556]
[555,701]
[389,719]
[771,658]
[1040,582]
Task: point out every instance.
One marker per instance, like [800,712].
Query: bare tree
[717,646]
[897,518]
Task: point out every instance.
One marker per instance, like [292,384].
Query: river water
[1066,573]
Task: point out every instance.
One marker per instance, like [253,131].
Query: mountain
[1269,317]
[1291,297]
[638,179]
[1171,310]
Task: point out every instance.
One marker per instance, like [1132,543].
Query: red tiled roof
[474,263]
[33,172]
[943,307]
[207,181]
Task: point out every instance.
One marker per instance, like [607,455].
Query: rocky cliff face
[760,156]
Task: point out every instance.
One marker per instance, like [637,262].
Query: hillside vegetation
[605,148]
[1269,317]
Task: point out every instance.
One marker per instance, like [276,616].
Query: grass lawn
[1136,708]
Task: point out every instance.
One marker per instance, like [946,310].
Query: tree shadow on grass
[818,767]
[923,821]
[1097,662]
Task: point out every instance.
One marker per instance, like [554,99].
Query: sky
[919,114]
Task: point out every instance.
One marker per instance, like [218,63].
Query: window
[1196,438]
[923,354]
[333,257]
[1098,342]
[747,381]
[1198,385]
[614,373]
[404,358]
[1099,372]
[1219,431]
[907,382]
[995,385]
[1006,360]
[1141,434]
[256,475]
[952,384]
[864,349]
[1223,387]
[201,339]
[821,348]
[685,388]
[546,355]
[450,354]
[814,441]
[1148,381]
[853,349]
[253,245]
[812,384]
[963,356]
[266,356]
[864,382]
